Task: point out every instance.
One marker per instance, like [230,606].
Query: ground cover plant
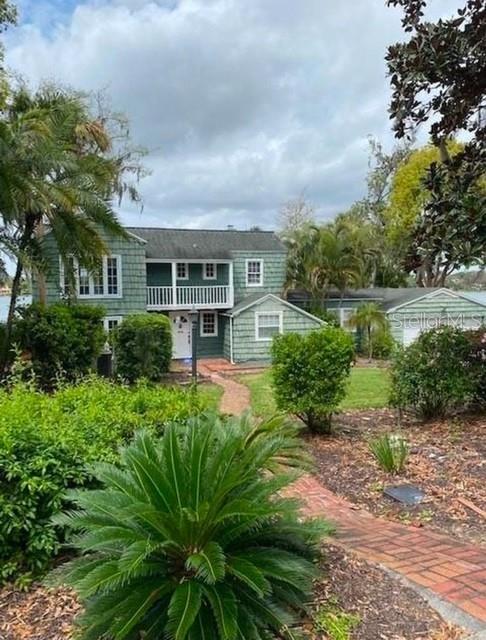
[368,388]
[191,538]
[46,443]
[390,450]
[310,373]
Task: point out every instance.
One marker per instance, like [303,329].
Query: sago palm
[191,538]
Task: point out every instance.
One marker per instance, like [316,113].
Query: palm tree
[192,538]
[368,317]
[58,168]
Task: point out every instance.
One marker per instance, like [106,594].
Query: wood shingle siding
[433,309]
[245,345]
[133,277]
[273,272]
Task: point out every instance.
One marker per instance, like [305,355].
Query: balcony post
[174,283]
[231,300]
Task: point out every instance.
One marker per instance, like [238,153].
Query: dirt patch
[384,606]
[447,461]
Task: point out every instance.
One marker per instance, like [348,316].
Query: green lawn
[368,389]
[212,394]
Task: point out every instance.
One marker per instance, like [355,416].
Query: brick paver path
[236,396]
[450,569]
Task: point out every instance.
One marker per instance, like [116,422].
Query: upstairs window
[182,271]
[268,325]
[254,273]
[209,271]
[103,282]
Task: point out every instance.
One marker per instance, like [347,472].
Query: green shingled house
[233,278]
[409,310]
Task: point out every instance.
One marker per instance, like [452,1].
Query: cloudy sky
[242,104]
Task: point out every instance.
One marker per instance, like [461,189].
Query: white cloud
[243,103]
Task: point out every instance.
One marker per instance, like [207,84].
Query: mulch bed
[37,614]
[447,461]
[387,609]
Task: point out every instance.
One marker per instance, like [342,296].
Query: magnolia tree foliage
[439,76]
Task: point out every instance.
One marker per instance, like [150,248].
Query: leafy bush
[192,539]
[309,374]
[61,340]
[432,376]
[328,315]
[477,363]
[143,346]
[391,452]
[46,442]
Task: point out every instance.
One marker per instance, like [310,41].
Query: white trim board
[434,294]
[272,296]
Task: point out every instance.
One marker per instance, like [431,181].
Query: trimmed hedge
[143,346]
[310,373]
[442,372]
[61,340]
[46,441]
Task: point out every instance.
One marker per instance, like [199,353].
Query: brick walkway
[454,571]
[236,396]
[449,569]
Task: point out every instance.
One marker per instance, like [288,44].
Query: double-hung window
[104,281]
[268,325]
[254,273]
[209,271]
[209,324]
[182,271]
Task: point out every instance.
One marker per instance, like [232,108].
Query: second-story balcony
[182,285]
[209,297]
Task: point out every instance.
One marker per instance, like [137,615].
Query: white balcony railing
[168,297]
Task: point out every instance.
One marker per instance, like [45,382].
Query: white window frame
[247,263]
[108,319]
[215,271]
[258,315]
[186,271]
[201,324]
[342,320]
[91,295]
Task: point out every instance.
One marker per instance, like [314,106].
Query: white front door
[410,334]
[181,334]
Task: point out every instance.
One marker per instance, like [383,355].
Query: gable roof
[192,244]
[256,298]
[387,297]
[430,293]
[475,296]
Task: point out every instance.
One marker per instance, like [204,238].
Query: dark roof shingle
[193,244]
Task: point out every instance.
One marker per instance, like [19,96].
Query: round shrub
[46,443]
[310,372]
[432,376]
[143,347]
[60,339]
